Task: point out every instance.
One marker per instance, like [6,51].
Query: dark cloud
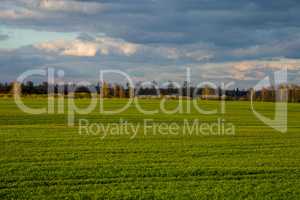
[226,23]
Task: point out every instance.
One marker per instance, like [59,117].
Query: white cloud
[118,46]
[106,45]
[69,48]
[102,45]
[245,70]
[276,64]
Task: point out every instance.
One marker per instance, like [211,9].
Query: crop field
[41,157]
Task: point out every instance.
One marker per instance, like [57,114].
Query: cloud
[43,9]
[200,55]
[86,45]
[230,39]
[68,6]
[183,53]
[230,23]
[3,37]
[119,46]
[18,14]
[77,47]
[245,70]
[289,46]
[275,64]
[77,67]
[70,48]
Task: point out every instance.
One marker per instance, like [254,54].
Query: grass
[42,158]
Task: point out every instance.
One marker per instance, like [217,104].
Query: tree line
[108,90]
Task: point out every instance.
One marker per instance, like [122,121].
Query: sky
[230,40]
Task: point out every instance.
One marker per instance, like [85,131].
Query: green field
[42,158]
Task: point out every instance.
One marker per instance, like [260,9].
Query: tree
[104,90]
[205,92]
[16,88]
[122,92]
